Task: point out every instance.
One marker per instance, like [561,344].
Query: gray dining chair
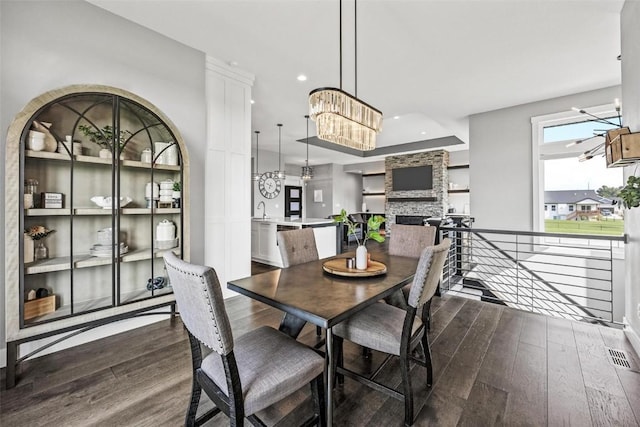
[410,241]
[241,376]
[297,247]
[395,331]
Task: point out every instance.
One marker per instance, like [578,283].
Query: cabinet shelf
[99,211]
[100,303]
[97,160]
[458,167]
[380,193]
[84,261]
[465,190]
[373,174]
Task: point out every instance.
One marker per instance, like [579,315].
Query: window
[558,140]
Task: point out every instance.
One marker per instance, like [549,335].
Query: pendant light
[256,174]
[307,171]
[279,173]
[342,118]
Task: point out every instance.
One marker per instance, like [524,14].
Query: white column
[227,188]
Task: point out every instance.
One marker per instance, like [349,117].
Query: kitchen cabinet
[104,261]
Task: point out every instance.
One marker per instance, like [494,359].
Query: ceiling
[430,63]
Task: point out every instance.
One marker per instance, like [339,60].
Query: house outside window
[545,207]
[585,208]
[553,208]
[571,208]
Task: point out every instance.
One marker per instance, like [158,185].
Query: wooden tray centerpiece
[338,266]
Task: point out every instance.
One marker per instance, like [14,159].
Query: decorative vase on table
[361,257]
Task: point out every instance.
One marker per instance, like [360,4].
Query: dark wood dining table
[306,293]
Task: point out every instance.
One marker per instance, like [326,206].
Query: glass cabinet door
[102,197]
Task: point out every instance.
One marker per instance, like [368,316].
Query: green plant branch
[373,227]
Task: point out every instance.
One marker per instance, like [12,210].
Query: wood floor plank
[465,364]
[485,407]
[631,384]
[560,331]
[567,399]
[534,330]
[497,365]
[597,370]
[441,410]
[448,341]
[527,400]
[142,377]
[609,410]
[444,315]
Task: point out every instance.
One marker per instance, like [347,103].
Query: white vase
[361,257]
[29,247]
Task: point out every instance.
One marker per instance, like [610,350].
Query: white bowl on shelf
[105,202]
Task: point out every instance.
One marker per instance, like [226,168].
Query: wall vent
[618,358]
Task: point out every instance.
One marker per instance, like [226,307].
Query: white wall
[46,45]
[630,17]
[500,175]
[347,191]
[227,189]
[322,180]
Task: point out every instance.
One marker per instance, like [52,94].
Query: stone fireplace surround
[421,203]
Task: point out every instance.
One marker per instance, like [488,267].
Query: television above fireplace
[412,179]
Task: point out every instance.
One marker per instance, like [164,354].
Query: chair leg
[426,348]
[426,314]
[196,391]
[317,393]
[406,387]
[318,331]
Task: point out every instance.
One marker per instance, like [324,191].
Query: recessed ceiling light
[233,63]
[396,117]
[302,78]
[253,102]
[423,133]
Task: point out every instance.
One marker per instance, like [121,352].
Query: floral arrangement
[38,232]
[103,137]
[373,227]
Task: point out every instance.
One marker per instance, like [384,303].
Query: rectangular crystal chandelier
[344,119]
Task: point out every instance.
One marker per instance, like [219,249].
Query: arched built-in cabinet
[103,263]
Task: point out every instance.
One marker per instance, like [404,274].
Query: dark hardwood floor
[493,366]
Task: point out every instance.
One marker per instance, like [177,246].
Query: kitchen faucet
[264,209]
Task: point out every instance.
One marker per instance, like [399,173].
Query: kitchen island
[264,246]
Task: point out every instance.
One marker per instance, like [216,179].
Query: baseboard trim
[633,338]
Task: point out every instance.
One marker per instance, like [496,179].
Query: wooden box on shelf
[622,147]
[40,306]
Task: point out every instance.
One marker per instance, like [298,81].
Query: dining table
[307,293]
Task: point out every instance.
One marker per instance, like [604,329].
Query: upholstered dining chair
[410,241]
[244,375]
[297,247]
[392,330]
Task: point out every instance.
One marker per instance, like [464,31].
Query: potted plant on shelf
[104,138]
[37,233]
[630,193]
[373,232]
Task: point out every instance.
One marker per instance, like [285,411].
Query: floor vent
[618,358]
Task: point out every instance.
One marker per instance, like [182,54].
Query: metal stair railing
[528,271]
